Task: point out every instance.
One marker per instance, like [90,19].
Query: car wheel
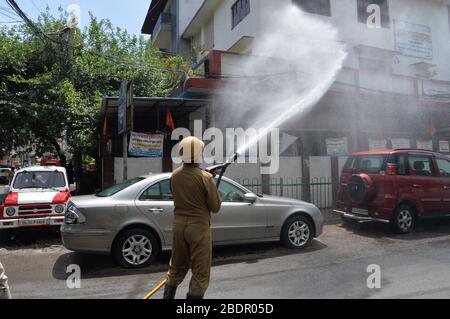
[135,248]
[403,219]
[297,232]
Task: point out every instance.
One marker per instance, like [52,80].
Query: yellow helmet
[191,150]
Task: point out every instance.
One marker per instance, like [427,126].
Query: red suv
[395,186]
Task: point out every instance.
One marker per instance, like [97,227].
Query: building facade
[390,92]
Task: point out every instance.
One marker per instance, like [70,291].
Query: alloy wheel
[405,220]
[137,249]
[299,233]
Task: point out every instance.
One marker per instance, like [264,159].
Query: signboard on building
[377,145]
[400,143]
[122,107]
[337,146]
[144,145]
[444,147]
[413,39]
[425,145]
[436,88]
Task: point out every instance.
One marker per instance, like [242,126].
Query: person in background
[4,288]
[11,175]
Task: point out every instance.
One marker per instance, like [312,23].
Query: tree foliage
[50,92]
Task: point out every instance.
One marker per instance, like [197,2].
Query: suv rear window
[371,164]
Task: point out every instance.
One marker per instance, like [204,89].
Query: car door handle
[446,187]
[156,210]
[417,186]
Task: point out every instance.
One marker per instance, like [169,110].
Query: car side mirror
[72,188]
[250,198]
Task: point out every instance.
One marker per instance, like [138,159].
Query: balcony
[162,33]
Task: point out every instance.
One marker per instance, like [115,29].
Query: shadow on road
[32,238]
[99,266]
[425,228]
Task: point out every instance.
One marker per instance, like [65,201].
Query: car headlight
[59,209]
[74,216]
[10,211]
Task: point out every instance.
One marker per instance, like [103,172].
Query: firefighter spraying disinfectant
[196,196]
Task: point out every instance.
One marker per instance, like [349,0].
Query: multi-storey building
[393,90]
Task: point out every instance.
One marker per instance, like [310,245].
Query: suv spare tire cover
[361,188]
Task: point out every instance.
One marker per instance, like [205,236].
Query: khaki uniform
[4,289]
[195,197]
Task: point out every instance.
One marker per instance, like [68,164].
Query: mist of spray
[294,62]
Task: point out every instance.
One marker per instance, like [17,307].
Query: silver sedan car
[133,220]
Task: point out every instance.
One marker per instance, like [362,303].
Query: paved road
[334,266]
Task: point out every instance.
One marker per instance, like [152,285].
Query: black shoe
[169,292]
[189,296]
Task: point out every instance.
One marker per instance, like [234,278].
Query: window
[402,165]
[39,180]
[363,15]
[239,10]
[444,167]
[158,191]
[119,187]
[165,190]
[366,164]
[152,193]
[321,7]
[421,165]
[230,193]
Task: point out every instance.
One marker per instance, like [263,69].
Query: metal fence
[320,191]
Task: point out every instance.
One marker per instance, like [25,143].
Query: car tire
[403,220]
[297,232]
[135,248]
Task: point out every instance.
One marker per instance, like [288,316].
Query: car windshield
[39,180]
[371,164]
[119,187]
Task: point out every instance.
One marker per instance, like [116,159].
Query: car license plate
[33,221]
[360,211]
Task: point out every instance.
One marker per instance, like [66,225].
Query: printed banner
[122,108]
[425,145]
[444,147]
[377,145]
[413,40]
[144,145]
[398,143]
[337,146]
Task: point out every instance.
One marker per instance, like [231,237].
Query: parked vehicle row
[132,220]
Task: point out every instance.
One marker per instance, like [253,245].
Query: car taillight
[391,169]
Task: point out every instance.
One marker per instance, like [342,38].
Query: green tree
[50,91]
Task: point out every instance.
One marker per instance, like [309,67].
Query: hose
[156,289]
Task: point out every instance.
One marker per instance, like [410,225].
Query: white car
[36,197]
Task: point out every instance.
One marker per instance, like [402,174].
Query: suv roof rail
[413,149]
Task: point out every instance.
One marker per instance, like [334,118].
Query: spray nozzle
[233,158]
